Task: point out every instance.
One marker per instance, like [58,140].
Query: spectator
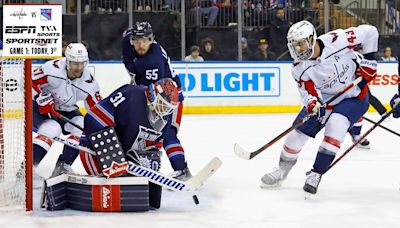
[279,29]
[263,53]
[245,49]
[202,7]
[92,55]
[64,46]
[209,52]
[194,55]
[255,12]
[388,55]
[273,4]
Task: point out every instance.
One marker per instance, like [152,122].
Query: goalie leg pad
[109,152]
[97,194]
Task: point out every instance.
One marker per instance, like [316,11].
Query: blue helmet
[142,29]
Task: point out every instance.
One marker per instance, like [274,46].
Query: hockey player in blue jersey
[141,118]
[147,62]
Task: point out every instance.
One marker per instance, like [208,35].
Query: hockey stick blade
[206,172]
[239,151]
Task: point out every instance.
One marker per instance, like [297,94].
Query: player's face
[76,69]
[142,44]
[300,46]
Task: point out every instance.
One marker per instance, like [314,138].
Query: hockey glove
[366,70]
[45,103]
[315,108]
[394,102]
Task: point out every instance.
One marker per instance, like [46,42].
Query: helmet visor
[163,107]
[301,49]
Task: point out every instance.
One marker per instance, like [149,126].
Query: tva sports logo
[199,81]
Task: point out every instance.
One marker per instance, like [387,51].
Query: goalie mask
[77,58]
[301,40]
[163,99]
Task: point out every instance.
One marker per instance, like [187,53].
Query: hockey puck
[195,199]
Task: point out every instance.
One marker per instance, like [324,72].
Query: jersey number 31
[117,99]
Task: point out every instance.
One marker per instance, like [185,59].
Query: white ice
[361,191]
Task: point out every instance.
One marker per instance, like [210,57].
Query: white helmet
[76,52]
[299,44]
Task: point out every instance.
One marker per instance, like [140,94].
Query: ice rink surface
[362,190]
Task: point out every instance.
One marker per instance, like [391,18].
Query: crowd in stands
[265,25]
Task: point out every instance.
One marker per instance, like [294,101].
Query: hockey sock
[322,162]
[356,129]
[41,144]
[69,154]
[175,154]
[38,154]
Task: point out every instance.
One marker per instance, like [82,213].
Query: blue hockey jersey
[151,67]
[126,110]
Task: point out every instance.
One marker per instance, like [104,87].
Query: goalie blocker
[85,193]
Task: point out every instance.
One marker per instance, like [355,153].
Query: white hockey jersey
[52,78]
[335,68]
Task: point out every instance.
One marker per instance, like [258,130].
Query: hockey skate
[312,182]
[363,144]
[182,175]
[276,177]
[61,168]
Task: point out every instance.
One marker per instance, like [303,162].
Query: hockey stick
[387,129]
[65,119]
[360,139]
[156,177]
[239,151]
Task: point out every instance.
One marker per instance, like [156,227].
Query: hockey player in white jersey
[57,87]
[322,67]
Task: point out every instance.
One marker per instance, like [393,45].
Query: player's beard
[142,51]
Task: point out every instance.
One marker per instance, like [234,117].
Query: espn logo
[20,29]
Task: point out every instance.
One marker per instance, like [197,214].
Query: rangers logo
[45,14]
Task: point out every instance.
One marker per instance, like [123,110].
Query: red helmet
[163,96]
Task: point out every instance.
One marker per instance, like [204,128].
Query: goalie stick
[239,151]
[155,177]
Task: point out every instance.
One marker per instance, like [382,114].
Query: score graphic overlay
[32,31]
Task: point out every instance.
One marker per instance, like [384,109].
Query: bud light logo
[229,80]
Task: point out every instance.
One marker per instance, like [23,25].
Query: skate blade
[268,186]
[308,196]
